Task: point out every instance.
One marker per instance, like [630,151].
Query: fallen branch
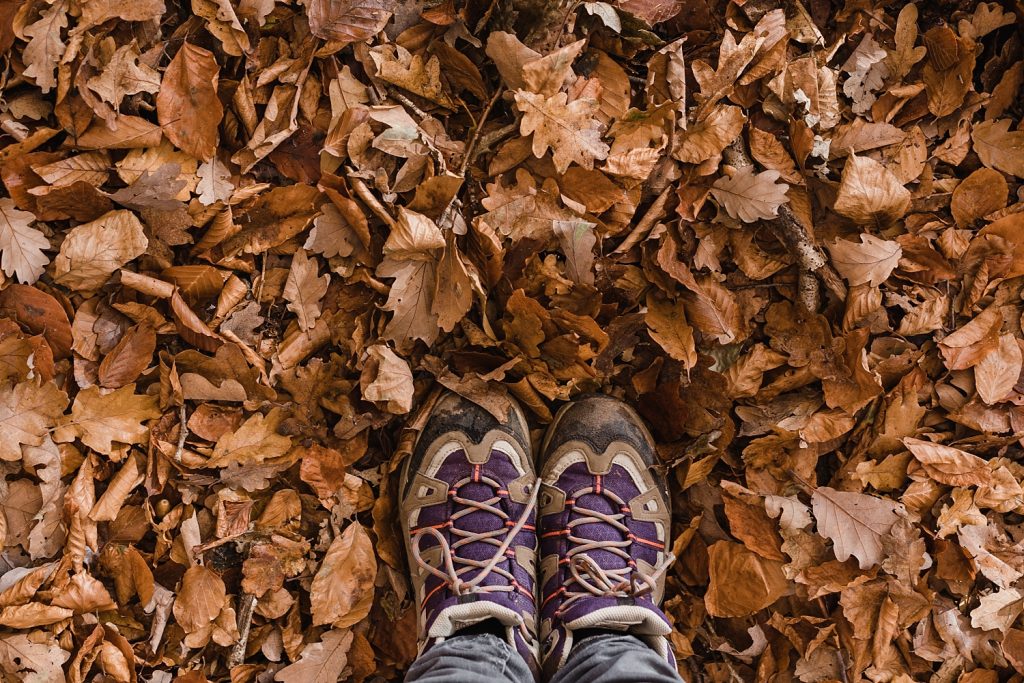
[811,260]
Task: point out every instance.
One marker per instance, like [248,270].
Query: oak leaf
[36,660]
[27,414]
[101,420]
[187,106]
[331,234]
[750,196]
[252,443]
[123,76]
[45,47]
[305,289]
[854,522]
[92,251]
[342,590]
[214,182]
[869,262]
[569,129]
[21,245]
[997,611]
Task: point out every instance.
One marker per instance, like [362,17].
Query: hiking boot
[604,525]
[468,506]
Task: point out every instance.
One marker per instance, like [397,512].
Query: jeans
[486,658]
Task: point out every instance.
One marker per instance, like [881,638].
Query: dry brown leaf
[870,262]
[999,147]
[106,422]
[342,590]
[742,582]
[997,372]
[870,194]
[750,196]
[21,245]
[387,379]
[706,138]
[666,323]
[320,662]
[569,129]
[305,288]
[200,598]
[854,522]
[28,412]
[92,252]
[252,443]
[948,465]
[187,105]
[348,21]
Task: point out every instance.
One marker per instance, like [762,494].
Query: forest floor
[245,243]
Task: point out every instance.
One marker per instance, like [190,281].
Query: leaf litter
[243,248]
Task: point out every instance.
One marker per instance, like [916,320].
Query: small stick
[246,604]
[363,192]
[182,433]
[470,154]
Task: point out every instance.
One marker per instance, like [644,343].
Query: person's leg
[468,499]
[480,658]
[615,658]
[604,527]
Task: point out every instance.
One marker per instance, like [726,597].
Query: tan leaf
[569,129]
[214,182]
[997,611]
[577,240]
[746,374]
[342,590]
[38,660]
[123,76]
[45,46]
[707,138]
[980,194]
[997,372]
[666,323]
[750,196]
[222,21]
[93,251]
[200,599]
[870,194]
[453,296]
[399,67]
[854,522]
[988,547]
[413,236]
[320,662]
[411,300]
[119,488]
[304,289]
[101,420]
[252,443]
[187,105]
[870,262]
[27,414]
[91,167]
[948,465]
[999,147]
[128,358]
[21,245]
[742,582]
[84,594]
[968,344]
[348,21]
[32,615]
[331,234]
[387,379]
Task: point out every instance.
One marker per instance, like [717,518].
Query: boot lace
[587,575]
[456,566]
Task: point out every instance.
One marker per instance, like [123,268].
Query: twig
[811,259]
[470,154]
[363,192]
[246,604]
[182,433]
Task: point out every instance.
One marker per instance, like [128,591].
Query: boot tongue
[598,531]
[478,522]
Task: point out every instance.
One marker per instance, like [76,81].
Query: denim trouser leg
[488,659]
[615,658]
[482,658]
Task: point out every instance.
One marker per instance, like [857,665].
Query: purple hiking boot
[604,525]
[468,506]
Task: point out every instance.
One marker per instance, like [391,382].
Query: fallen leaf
[92,252]
[21,245]
[870,262]
[750,196]
[101,420]
[305,288]
[386,379]
[854,522]
[569,129]
[320,662]
[187,105]
[869,194]
[342,591]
